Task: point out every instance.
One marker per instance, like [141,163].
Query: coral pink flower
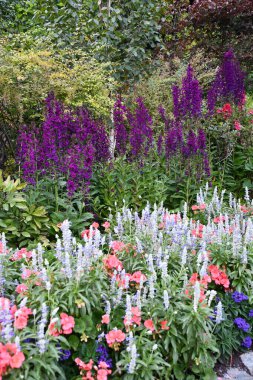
[21,317]
[67,323]
[87,233]
[26,273]
[112,262]
[164,325]
[136,317]
[117,246]
[17,360]
[219,219]
[20,322]
[84,366]
[106,225]
[149,325]
[194,278]
[138,276]
[103,373]
[95,225]
[105,319]
[195,207]
[115,336]
[11,348]
[22,288]
[21,254]
[53,331]
[103,365]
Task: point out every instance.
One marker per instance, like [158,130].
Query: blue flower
[247,342]
[239,297]
[241,324]
[65,355]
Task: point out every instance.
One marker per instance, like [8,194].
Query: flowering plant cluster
[137,289]
[66,145]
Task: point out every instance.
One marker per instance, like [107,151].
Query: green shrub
[22,222]
[27,76]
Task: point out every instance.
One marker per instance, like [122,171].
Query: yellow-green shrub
[27,76]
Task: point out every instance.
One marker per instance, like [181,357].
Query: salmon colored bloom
[21,288]
[164,325]
[17,360]
[218,276]
[117,246]
[84,366]
[136,317]
[21,254]
[95,225]
[106,225]
[114,338]
[21,317]
[26,274]
[103,373]
[219,219]
[10,357]
[112,262]
[138,276]
[149,325]
[87,233]
[67,323]
[105,319]
[53,331]
[122,281]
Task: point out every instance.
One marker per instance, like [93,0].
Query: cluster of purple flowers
[134,135]
[67,144]
[228,84]
[103,355]
[247,342]
[251,313]
[239,297]
[65,354]
[119,119]
[242,324]
[187,100]
[133,129]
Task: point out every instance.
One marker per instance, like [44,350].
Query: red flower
[164,325]
[149,325]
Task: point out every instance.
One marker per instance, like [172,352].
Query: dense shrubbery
[28,75]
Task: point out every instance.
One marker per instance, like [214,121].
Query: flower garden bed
[144,296]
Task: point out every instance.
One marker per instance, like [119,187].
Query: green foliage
[122,182]
[23,223]
[52,195]
[27,76]
[29,215]
[126,35]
